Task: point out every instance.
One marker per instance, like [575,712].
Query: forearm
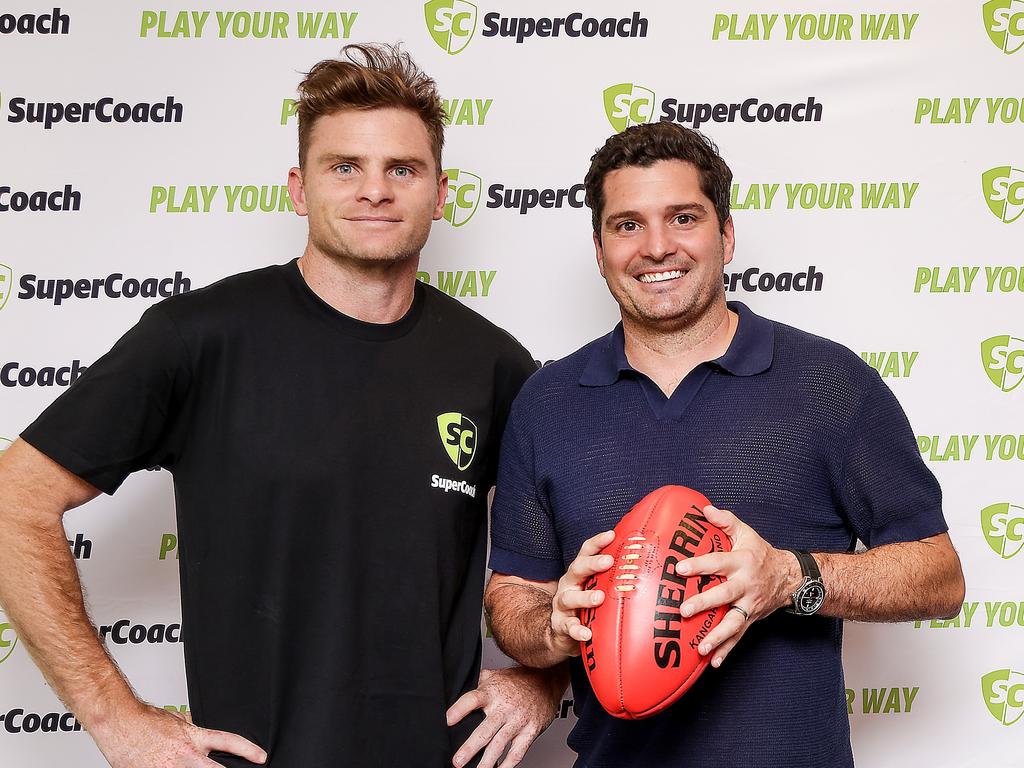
[520,617]
[41,593]
[894,582]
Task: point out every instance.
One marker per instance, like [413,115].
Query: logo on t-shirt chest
[459,436]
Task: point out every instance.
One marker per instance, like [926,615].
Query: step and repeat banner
[878,200]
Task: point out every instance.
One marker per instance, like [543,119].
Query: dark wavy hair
[644,145]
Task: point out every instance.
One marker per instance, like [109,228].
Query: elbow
[952,597]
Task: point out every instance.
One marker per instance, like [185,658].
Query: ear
[599,253]
[728,240]
[297,191]
[442,196]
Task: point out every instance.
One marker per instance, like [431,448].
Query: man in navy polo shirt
[794,434]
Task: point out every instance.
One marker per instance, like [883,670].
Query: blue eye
[402,171]
[344,168]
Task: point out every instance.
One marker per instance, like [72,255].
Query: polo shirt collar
[750,352]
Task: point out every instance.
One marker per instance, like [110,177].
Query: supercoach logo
[464,191]
[8,640]
[1003,526]
[17,721]
[105,110]
[115,286]
[1003,691]
[1004,22]
[19,375]
[124,631]
[1003,360]
[452,24]
[67,199]
[6,282]
[753,280]
[54,23]
[1003,188]
[458,436]
[627,104]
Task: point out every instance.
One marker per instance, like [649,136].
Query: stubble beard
[345,250]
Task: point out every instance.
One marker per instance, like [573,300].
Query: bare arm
[893,582]
[535,622]
[42,595]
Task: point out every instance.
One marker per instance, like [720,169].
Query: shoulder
[242,294]
[471,332]
[560,380]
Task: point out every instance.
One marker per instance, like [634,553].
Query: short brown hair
[644,145]
[369,77]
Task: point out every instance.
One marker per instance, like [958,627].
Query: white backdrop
[923,275]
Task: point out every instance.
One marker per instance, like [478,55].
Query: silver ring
[746,616]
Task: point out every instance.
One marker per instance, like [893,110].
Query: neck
[667,356]
[374,292]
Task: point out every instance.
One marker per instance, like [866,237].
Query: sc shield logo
[628,104]
[1003,359]
[1003,526]
[451,23]
[1003,188]
[6,282]
[464,192]
[8,640]
[1003,690]
[1004,22]
[458,436]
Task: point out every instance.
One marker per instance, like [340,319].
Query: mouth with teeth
[660,277]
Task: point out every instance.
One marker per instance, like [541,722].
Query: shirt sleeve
[523,538]
[886,491]
[120,415]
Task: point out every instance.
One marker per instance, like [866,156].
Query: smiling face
[661,249]
[370,185]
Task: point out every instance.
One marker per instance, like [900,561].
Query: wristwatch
[810,595]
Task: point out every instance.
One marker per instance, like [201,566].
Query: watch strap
[808,565]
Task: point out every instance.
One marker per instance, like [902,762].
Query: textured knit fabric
[794,434]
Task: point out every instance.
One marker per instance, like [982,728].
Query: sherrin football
[642,655]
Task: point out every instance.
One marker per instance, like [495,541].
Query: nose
[374,188]
[657,244]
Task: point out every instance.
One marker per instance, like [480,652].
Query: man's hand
[759,580]
[519,703]
[155,738]
[567,632]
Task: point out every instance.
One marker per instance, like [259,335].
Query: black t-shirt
[331,482]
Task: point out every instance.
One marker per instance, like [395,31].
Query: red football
[643,653]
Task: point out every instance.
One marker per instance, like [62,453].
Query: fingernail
[683,569]
[595,599]
[717,662]
[687,610]
[704,650]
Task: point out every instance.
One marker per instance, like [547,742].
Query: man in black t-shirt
[332,428]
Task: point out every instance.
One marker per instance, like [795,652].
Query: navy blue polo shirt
[793,433]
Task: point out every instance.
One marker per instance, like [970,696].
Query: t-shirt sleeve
[886,491]
[523,539]
[118,417]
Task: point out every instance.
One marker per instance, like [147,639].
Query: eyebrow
[332,158]
[618,216]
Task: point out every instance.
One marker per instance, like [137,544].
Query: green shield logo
[1003,526]
[6,283]
[1004,22]
[1003,188]
[451,23]
[7,641]
[1003,690]
[627,104]
[464,190]
[458,436]
[1003,360]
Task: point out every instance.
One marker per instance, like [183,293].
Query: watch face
[810,597]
